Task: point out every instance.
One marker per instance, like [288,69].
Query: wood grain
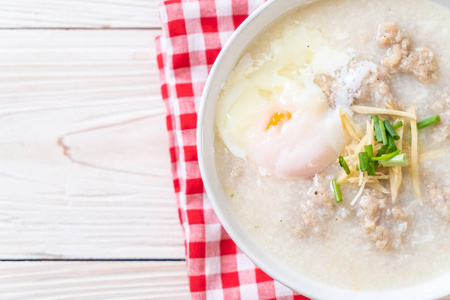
[93,280]
[79,14]
[84,163]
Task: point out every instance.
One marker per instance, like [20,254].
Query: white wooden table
[87,209]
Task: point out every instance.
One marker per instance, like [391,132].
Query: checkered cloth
[193,33]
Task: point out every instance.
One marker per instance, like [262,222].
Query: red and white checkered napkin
[193,32]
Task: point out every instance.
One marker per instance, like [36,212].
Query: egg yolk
[278,117]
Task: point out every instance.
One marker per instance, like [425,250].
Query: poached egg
[272,113]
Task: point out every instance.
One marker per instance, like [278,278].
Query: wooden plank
[93,280]
[79,13]
[84,163]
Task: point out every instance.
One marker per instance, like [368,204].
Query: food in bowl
[332,141]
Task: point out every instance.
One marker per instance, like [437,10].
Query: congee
[332,141]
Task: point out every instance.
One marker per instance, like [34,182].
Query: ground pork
[326,83]
[315,210]
[389,34]
[382,224]
[422,64]
[400,57]
[375,88]
[439,198]
[441,131]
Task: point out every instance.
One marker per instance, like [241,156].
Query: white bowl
[227,59]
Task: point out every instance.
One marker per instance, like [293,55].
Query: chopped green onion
[337,191]
[344,165]
[387,156]
[391,144]
[397,125]
[383,132]
[364,161]
[357,167]
[371,171]
[400,160]
[377,130]
[369,150]
[391,130]
[427,122]
[383,150]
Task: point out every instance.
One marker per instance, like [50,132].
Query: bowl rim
[216,196]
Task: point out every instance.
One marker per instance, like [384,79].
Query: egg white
[281,81]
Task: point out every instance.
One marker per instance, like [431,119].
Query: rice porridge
[332,141]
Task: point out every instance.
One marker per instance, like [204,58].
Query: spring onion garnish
[383,150]
[400,160]
[391,144]
[380,146]
[427,122]
[387,156]
[369,151]
[364,161]
[344,165]
[397,125]
[371,171]
[391,130]
[383,132]
[337,191]
[376,126]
